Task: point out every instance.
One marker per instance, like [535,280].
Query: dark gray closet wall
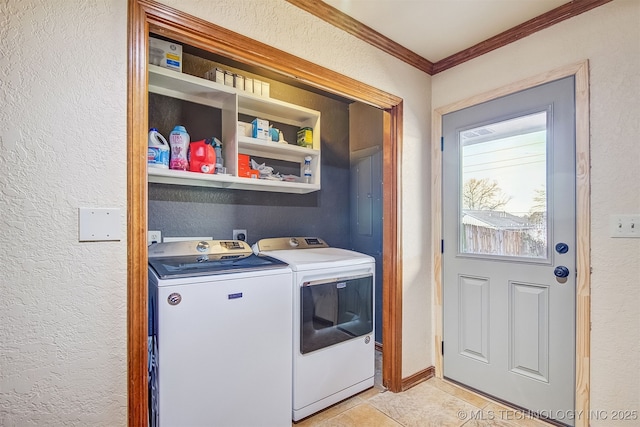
[200,211]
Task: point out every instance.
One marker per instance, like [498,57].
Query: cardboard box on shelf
[165,54]
[305,137]
[260,129]
[244,167]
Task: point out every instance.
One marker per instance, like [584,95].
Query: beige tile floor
[431,403]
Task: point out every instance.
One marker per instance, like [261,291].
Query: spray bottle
[307,169]
[217,146]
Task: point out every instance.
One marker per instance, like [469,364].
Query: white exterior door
[509,262]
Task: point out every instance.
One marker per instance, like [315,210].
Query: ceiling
[436,29]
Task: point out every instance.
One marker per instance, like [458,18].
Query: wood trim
[418,377]
[436,233]
[583,247]
[392,259]
[583,218]
[137,217]
[346,23]
[559,14]
[145,15]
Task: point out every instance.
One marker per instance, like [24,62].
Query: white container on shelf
[228,78]
[245,129]
[238,82]
[248,84]
[257,87]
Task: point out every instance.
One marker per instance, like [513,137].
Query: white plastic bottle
[179,141]
[158,150]
[307,169]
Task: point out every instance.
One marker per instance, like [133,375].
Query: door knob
[561,271]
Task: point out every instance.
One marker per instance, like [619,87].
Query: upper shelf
[195,89]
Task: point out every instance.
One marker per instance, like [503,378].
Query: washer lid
[207,257]
[192,266]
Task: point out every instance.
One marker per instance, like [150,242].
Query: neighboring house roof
[499,220]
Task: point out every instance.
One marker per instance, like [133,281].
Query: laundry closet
[332,186]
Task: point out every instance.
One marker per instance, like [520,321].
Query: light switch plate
[624,225]
[99,224]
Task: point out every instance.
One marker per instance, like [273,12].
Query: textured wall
[62,146]
[609,37]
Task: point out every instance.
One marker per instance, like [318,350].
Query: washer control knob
[294,242]
[203,246]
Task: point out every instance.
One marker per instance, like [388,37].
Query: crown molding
[546,20]
[346,23]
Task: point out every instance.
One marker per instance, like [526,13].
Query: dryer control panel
[284,243]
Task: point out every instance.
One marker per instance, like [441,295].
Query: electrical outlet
[240,235]
[154,237]
[625,225]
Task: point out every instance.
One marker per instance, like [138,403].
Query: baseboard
[418,377]
[414,379]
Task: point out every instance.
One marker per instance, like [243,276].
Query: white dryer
[333,318]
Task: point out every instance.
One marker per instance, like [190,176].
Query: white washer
[220,325]
[333,318]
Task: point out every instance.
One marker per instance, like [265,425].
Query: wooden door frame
[580,71]
[145,15]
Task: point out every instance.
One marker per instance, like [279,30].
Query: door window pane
[504,188]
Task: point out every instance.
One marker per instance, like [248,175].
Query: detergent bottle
[202,157]
[158,150]
[179,141]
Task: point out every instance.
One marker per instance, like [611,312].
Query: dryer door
[335,310]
